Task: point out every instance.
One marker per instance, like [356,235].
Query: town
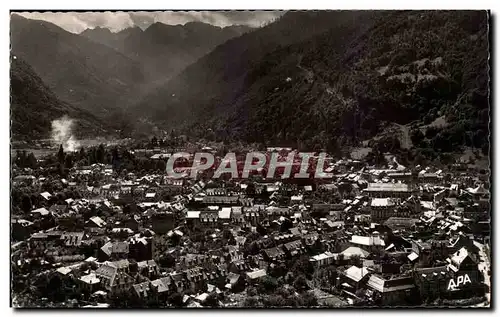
[109,226]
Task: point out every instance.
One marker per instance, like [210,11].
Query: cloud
[77,22]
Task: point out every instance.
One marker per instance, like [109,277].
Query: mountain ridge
[81,72]
[165,49]
[341,85]
[34,106]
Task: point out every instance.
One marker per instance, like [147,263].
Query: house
[400,223]
[324,259]
[58,209]
[20,228]
[178,281]
[237,216]
[195,279]
[163,287]
[382,208]
[255,276]
[209,217]
[143,290]
[238,266]
[392,291]
[141,248]
[354,278]
[193,218]
[89,283]
[478,192]
[388,190]
[274,254]
[463,261]
[224,215]
[72,239]
[148,268]
[24,179]
[432,282]
[235,282]
[194,260]
[46,195]
[96,222]
[372,243]
[221,200]
[355,251]
[132,222]
[40,212]
[294,248]
[150,196]
[114,251]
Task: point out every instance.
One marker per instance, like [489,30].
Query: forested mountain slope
[339,81]
[34,106]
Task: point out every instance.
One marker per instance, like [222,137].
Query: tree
[212,300]
[154,141]
[300,283]
[69,161]
[20,158]
[268,284]
[251,301]
[356,260]
[167,260]
[82,155]
[485,149]
[115,159]
[227,234]
[100,154]
[31,161]
[26,203]
[417,137]
[302,267]
[60,155]
[175,299]
[308,299]
[274,301]
[251,291]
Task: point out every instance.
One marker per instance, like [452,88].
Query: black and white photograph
[250,159]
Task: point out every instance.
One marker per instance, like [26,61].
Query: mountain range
[34,106]
[328,79]
[164,50]
[317,79]
[103,72]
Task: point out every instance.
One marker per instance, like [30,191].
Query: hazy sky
[76,22]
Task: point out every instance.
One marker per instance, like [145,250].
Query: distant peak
[157,25]
[132,29]
[98,29]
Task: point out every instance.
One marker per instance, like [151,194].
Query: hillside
[221,76]
[34,106]
[81,72]
[339,81]
[165,50]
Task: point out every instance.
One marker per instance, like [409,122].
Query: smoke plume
[62,134]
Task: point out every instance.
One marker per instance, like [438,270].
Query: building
[388,190]
[324,259]
[371,243]
[392,291]
[89,282]
[382,208]
[459,279]
[354,278]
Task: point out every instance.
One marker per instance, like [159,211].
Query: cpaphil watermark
[268,165]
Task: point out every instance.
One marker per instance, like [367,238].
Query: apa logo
[461,280]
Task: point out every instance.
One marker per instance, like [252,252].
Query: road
[484,267]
